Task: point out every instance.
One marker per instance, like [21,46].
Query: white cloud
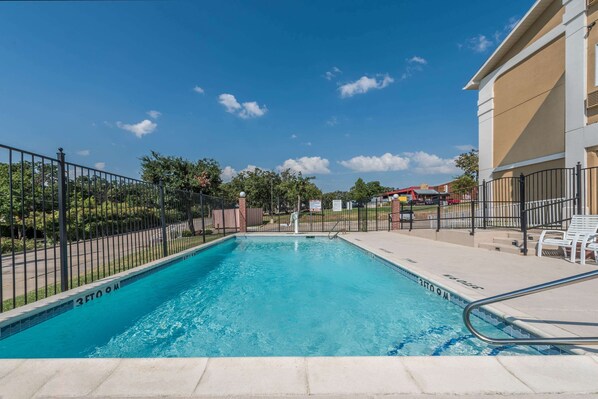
[413,64]
[100,165]
[306,165]
[431,164]
[420,162]
[482,43]
[139,129]
[332,121]
[227,174]
[465,147]
[251,168]
[479,43]
[251,109]
[364,84]
[230,102]
[512,23]
[83,153]
[198,89]
[417,60]
[385,163]
[333,73]
[293,136]
[247,110]
[154,114]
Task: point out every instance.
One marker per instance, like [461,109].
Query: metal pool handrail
[332,230]
[524,292]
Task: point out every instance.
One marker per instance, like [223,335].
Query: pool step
[508,247]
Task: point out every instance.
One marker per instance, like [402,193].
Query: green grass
[124,263]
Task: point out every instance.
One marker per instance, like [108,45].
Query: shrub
[187,233]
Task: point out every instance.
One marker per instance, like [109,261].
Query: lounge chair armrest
[588,238]
[544,232]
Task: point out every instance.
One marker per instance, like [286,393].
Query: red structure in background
[425,193]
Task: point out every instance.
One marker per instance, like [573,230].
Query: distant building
[418,194]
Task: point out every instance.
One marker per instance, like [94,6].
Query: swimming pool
[276,296]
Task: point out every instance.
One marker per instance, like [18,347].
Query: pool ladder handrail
[332,230]
[579,278]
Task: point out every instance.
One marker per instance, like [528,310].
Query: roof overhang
[522,26]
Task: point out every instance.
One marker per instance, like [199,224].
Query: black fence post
[376,214]
[523,214]
[578,188]
[163,221]
[484,202]
[62,222]
[411,215]
[401,206]
[389,220]
[223,219]
[438,214]
[472,202]
[322,210]
[203,222]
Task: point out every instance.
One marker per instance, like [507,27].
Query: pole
[578,191]
[411,215]
[472,214]
[438,214]
[203,222]
[64,272]
[223,219]
[523,213]
[163,221]
[484,202]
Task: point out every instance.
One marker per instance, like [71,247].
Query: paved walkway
[354,377]
[566,311]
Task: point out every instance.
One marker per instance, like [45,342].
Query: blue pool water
[261,297]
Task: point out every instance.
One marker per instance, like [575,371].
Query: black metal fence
[372,216]
[544,199]
[63,225]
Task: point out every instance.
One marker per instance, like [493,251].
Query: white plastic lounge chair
[581,226]
[589,243]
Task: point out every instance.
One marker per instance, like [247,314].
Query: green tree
[296,189]
[177,173]
[261,187]
[468,162]
[360,191]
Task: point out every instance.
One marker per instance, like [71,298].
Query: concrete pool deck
[570,311]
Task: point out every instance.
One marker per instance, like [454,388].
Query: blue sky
[337,89]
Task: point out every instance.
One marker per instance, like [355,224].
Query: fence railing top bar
[7,147]
[549,170]
[106,173]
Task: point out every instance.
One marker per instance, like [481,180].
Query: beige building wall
[529,107]
[549,19]
[592,13]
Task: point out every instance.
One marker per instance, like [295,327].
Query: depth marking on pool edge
[83,299]
[464,282]
[432,288]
